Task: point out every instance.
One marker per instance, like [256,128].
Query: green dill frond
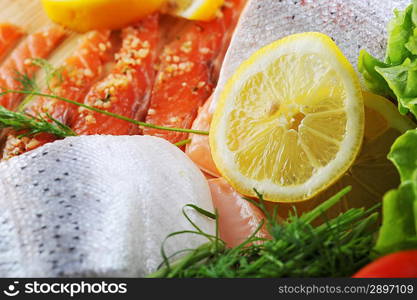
[337,248]
[104,112]
[53,76]
[28,83]
[33,125]
[183,142]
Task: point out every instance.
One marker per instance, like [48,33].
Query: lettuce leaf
[403,154]
[400,29]
[396,78]
[399,212]
[374,81]
[398,231]
[402,80]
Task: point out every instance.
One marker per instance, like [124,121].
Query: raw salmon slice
[76,76]
[36,45]
[186,75]
[9,35]
[238,218]
[126,90]
[199,148]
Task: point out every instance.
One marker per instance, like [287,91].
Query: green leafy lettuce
[396,77]
[399,228]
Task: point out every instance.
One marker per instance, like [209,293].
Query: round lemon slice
[290,121]
[203,10]
[372,174]
[84,15]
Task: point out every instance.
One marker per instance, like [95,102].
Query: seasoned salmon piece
[9,35]
[238,218]
[126,90]
[186,74]
[76,76]
[36,45]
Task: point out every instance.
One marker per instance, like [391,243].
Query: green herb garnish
[183,142]
[120,117]
[53,77]
[338,247]
[399,228]
[396,76]
[33,125]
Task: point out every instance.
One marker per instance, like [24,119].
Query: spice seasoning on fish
[189,59]
[76,76]
[126,90]
[37,45]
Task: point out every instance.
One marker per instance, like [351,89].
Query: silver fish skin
[97,206]
[353,25]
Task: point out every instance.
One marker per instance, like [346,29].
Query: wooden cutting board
[26,13]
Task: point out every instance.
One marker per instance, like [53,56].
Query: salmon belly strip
[238,218]
[36,45]
[76,76]
[186,74]
[126,90]
[9,35]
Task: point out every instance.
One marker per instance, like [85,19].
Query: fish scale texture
[353,24]
[97,206]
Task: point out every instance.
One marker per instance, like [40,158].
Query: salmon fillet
[126,90]
[76,76]
[238,218]
[187,74]
[9,35]
[36,45]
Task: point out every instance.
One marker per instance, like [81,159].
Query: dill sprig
[28,84]
[31,89]
[31,125]
[107,113]
[182,143]
[337,248]
[53,76]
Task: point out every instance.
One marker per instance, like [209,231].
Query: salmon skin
[186,74]
[36,45]
[98,206]
[9,35]
[126,90]
[76,76]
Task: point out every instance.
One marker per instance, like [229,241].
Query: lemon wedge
[290,121]
[84,15]
[203,10]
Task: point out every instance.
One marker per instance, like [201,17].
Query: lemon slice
[290,121]
[203,10]
[372,174]
[84,15]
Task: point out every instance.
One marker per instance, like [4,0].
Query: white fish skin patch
[97,206]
